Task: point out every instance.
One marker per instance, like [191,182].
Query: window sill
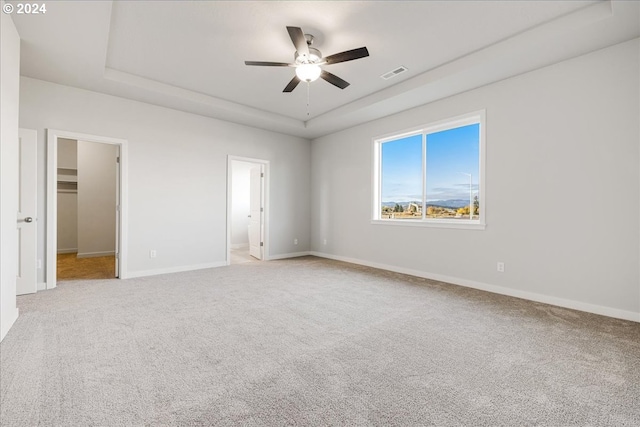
[431,224]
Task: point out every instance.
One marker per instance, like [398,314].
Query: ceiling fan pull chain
[308,85]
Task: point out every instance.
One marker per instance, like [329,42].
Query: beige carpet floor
[310,342]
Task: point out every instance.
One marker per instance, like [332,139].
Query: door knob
[28,219]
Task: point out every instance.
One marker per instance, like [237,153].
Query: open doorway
[85,210]
[246,210]
[87,202]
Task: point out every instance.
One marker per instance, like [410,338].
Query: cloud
[450,193]
[402,192]
[474,187]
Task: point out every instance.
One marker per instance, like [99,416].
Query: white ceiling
[190,55]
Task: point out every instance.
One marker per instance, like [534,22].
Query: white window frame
[476,117]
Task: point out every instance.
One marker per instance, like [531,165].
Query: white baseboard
[7,325]
[531,296]
[289,255]
[68,251]
[42,286]
[239,246]
[95,254]
[132,274]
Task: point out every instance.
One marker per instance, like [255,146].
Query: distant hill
[392,204]
[451,203]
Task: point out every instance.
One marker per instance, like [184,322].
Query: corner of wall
[9,158]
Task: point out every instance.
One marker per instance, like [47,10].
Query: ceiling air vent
[401,69]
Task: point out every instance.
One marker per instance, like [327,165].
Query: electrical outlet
[295,241]
[39,263]
[152,253]
[324,241]
[501,267]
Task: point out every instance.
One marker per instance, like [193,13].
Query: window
[432,175]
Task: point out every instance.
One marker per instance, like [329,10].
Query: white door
[255,213]
[27,237]
[118,212]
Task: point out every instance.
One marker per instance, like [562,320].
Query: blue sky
[450,153]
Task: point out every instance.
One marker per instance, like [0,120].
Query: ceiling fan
[307,61]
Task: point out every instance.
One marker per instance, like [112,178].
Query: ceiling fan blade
[299,41]
[292,84]
[348,55]
[268,64]
[334,80]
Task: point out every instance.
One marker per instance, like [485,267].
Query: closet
[67,196]
[86,210]
[86,198]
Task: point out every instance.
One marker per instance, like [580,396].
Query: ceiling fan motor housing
[314,54]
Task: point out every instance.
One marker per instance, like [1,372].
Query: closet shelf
[67,178]
[67,175]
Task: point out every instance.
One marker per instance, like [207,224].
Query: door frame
[52,201]
[256,176]
[265,197]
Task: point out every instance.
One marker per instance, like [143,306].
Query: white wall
[96,199]
[67,201]
[177,174]
[240,197]
[9,102]
[562,189]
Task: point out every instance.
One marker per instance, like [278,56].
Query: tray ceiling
[190,55]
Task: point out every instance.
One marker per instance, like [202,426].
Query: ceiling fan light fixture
[308,72]
[307,61]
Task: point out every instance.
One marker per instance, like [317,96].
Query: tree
[398,208]
[463,211]
[476,205]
